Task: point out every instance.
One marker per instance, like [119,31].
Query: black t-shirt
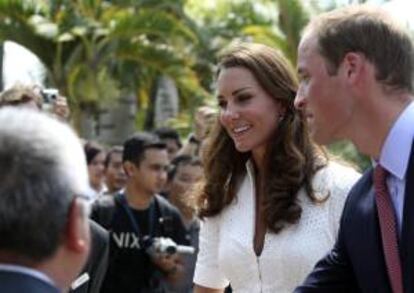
[130,268]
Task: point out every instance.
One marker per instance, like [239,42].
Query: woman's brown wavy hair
[292,158]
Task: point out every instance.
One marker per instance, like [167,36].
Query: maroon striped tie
[388,228]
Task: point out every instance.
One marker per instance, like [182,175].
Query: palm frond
[292,19]
[152,23]
[159,56]
[268,36]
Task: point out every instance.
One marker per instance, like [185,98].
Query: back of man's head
[168,133]
[136,145]
[42,170]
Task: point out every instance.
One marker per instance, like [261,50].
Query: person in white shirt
[95,159]
[271,200]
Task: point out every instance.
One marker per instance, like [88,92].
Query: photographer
[34,97]
[137,218]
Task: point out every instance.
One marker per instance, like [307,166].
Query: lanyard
[132,219]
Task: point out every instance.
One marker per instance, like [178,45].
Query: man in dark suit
[356,72]
[44,230]
[91,277]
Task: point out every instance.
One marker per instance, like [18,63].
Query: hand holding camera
[166,246]
[164,253]
[55,103]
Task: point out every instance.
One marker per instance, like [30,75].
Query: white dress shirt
[395,156]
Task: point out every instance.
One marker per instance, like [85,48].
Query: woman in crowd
[271,200]
[95,158]
[185,172]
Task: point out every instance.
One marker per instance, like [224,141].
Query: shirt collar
[396,150]
[27,271]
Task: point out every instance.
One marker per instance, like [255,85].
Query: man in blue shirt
[356,82]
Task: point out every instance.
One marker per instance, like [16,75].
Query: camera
[49,95]
[165,246]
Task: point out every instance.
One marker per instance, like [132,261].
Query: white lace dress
[226,241]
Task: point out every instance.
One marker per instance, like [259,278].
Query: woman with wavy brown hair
[271,199]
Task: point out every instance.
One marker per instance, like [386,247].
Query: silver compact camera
[166,246]
[49,95]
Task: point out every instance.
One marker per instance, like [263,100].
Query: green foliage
[348,152]
[275,23]
[292,19]
[92,86]
[93,50]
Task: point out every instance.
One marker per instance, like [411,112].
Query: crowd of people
[251,202]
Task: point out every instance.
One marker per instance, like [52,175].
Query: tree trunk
[1,65]
[166,103]
[116,120]
[150,112]
[86,120]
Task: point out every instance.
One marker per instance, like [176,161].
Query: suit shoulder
[363,185]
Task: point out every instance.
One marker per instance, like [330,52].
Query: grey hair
[42,169]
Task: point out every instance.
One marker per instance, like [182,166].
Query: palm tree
[1,65]
[95,50]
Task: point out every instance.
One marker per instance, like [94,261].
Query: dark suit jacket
[97,262]
[356,263]
[15,282]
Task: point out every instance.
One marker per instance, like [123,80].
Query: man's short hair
[168,133]
[137,144]
[182,160]
[117,149]
[372,32]
[42,169]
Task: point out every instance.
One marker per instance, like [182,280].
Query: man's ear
[77,229]
[129,168]
[353,66]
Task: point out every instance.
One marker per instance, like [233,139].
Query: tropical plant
[93,50]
